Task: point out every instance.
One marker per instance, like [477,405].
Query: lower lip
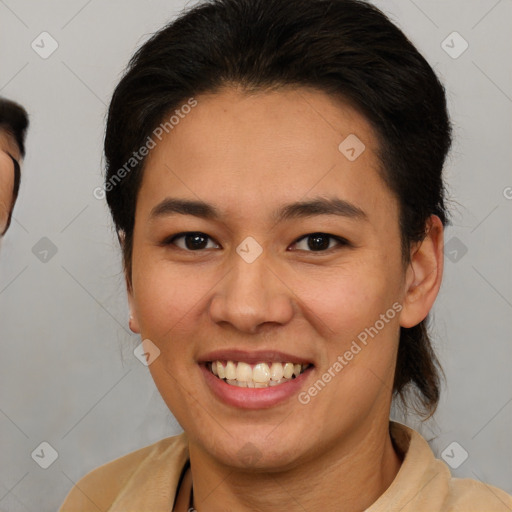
[254,398]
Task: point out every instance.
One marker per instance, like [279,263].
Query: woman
[274,172]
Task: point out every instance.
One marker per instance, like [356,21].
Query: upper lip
[253,356]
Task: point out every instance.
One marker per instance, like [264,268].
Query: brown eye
[318,242]
[193,241]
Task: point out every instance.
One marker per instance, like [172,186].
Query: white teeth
[220,370]
[276,371]
[287,371]
[230,370]
[243,372]
[261,375]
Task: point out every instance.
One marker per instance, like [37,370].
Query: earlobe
[133,324]
[424,275]
[133,321]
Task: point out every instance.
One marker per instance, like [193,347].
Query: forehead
[265,149]
[284,123]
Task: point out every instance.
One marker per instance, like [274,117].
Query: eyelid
[339,239]
[341,242]
[171,239]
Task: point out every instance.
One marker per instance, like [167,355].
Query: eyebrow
[300,209]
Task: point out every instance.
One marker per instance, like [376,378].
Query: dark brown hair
[346,48]
[14,120]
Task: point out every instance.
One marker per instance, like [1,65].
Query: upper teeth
[259,375]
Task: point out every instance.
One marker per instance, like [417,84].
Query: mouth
[256,379]
[263,374]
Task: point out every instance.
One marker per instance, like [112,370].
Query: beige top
[147,480]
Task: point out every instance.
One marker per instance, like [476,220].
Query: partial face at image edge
[10,176]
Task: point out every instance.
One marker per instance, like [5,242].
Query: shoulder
[466,494]
[425,482]
[100,488]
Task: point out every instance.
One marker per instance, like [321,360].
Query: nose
[252,296]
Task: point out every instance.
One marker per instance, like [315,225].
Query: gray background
[67,369]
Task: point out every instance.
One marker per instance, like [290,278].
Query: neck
[352,474]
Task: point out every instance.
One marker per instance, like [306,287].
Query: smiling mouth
[259,375]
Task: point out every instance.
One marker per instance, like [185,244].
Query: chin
[255,451]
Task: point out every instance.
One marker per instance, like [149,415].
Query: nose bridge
[251,295]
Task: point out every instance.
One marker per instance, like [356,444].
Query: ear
[423,275]
[133,321]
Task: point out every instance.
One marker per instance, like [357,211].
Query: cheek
[168,297]
[339,301]
[343,301]
[353,311]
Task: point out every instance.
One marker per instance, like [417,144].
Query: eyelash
[340,241]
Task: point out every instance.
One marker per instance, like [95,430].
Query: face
[292,251]
[6,177]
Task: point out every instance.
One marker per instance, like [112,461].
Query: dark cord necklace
[191,502]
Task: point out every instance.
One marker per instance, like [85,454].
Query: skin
[249,155]
[7,146]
